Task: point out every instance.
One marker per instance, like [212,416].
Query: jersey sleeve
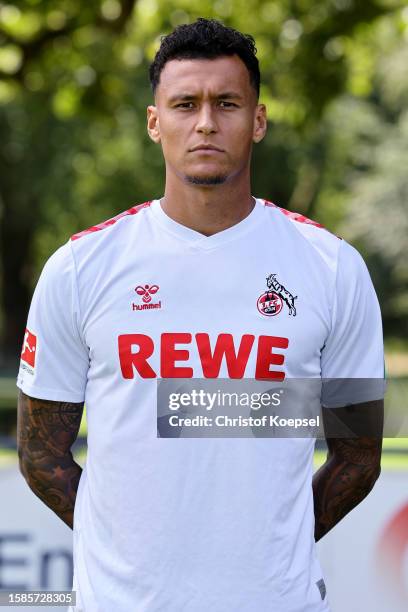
[54,359]
[352,359]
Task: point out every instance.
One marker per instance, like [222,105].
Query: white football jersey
[196,524]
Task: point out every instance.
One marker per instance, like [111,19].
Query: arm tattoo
[46,431]
[349,474]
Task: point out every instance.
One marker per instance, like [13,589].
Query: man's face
[206,103]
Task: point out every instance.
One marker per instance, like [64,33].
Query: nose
[206,122]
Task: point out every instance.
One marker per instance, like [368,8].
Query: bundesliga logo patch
[270,303]
[29,350]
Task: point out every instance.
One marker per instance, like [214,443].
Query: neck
[207,209]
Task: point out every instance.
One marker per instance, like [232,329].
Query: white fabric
[191,525]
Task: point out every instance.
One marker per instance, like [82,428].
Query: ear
[153,126]
[260,123]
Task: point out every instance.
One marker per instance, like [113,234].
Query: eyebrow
[184,97]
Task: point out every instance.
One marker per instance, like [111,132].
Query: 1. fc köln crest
[271,302]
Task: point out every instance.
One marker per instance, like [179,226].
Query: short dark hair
[205,39]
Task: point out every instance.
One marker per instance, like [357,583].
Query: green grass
[397,462]
[8,458]
[83,427]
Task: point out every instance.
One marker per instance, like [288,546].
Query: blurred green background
[74,149]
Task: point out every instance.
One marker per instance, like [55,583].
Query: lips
[206,147]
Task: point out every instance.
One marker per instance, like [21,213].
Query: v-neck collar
[195,239]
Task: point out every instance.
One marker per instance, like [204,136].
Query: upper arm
[55,359]
[354,434]
[362,420]
[352,358]
[352,369]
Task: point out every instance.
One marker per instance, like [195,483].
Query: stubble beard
[216,179]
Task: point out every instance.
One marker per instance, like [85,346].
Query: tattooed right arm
[46,431]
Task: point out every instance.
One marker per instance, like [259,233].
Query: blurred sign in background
[364,558]
[74,151]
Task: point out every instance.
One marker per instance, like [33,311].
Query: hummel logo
[146,291]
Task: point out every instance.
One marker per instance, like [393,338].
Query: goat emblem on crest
[270,303]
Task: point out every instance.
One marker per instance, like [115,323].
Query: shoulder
[103,228]
[343,259]
[56,281]
[59,264]
[302,229]
[102,243]
[352,270]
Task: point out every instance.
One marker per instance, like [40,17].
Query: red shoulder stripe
[112,221]
[294,215]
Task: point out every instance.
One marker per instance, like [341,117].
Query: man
[177,288]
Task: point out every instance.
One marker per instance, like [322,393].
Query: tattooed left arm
[348,475]
[46,431]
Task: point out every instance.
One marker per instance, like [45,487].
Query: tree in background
[74,149]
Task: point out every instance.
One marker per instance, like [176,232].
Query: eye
[226,104]
[186,105]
